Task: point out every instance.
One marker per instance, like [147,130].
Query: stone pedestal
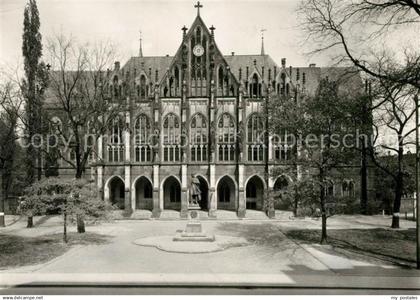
[193,232]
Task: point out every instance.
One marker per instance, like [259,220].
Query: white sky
[238,25]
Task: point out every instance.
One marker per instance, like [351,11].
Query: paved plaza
[120,261]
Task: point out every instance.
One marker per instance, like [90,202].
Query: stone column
[212,192]
[157,196]
[212,196]
[184,191]
[100,174]
[241,192]
[127,168]
[127,185]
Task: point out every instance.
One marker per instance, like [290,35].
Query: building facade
[199,113]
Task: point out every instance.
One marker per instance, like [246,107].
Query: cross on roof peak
[198,6]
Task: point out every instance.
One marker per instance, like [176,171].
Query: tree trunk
[79,219]
[295,206]
[397,202]
[80,224]
[30,222]
[363,183]
[323,209]
[2,200]
[65,228]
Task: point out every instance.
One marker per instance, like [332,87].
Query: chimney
[233,53]
[283,63]
[116,66]
[312,65]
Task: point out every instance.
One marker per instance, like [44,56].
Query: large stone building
[213,101]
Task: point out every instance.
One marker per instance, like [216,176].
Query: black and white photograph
[213,147]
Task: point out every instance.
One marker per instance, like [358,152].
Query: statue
[212,137]
[195,191]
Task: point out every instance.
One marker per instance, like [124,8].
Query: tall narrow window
[142,150]
[255,87]
[220,81]
[226,138]
[143,87]
[171,138]
[198,138]
[255,138]
[116,142]
[116,87]
[283,146]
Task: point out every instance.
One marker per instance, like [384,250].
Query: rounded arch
[259,177]
[198,114]
[171,192]
[285,176]
[114,191]
[227,193]
[142,192]
[133,184]
[254,192]
[203,178]
[204,187]
[166,118]
[227,115]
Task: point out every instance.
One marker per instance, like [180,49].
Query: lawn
[385,245]
[393,246]
[16,251]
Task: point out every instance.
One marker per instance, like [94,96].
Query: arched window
[351,189]
[226,138]
[198,138]
[283,146]
[220,81]
[143,87]
[171,138]
[177,81]
[255,87]
[283,84]
[348,188]
[142,130]
[329,188]
[255,138]
[116,141]
[90,142]
[115,86]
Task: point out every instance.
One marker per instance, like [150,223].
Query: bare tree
[11,102]
[360,33]
[319,125]
[78,95]
[394,128]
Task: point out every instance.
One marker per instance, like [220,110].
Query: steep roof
[237,62]
[348,76]
[154,63]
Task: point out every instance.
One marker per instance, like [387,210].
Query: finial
[212,28]
[198,6]
[262,41]
[140,48]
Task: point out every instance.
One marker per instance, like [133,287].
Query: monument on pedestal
[193,232]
